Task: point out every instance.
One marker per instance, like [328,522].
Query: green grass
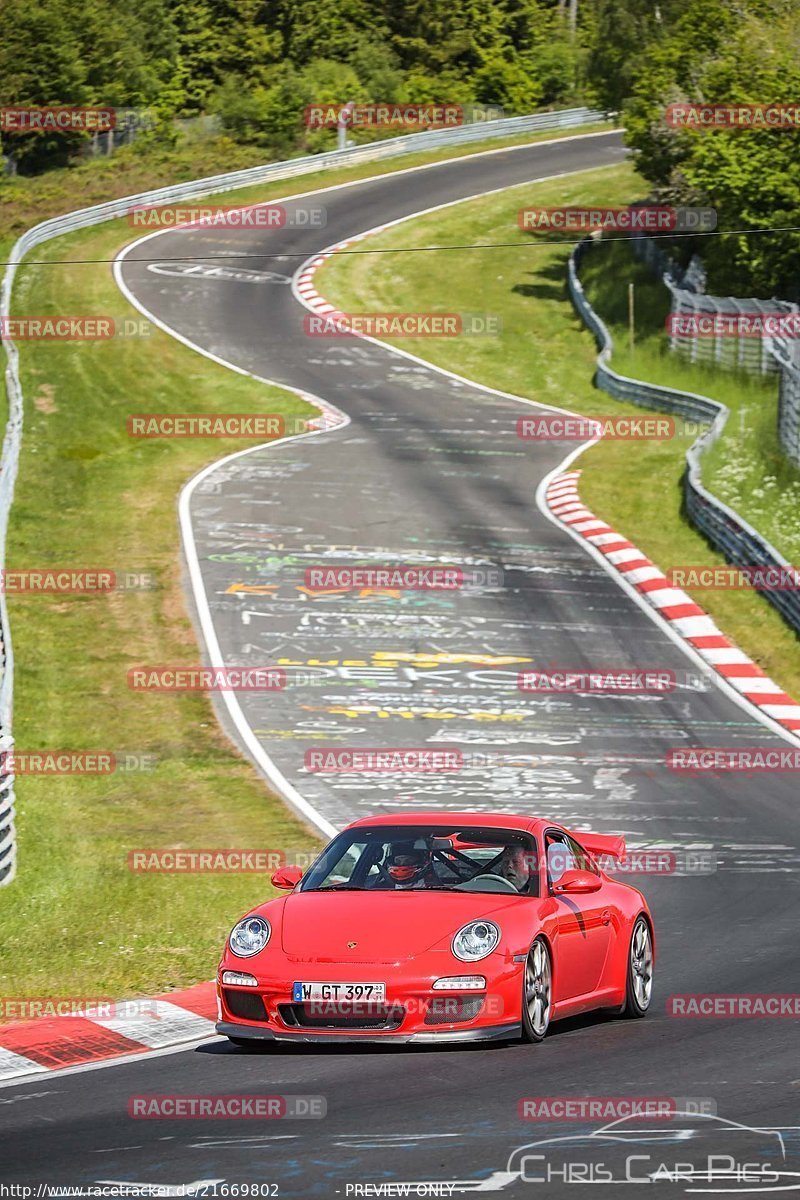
[76,921]
[746,467]
[545,353]
[88,494]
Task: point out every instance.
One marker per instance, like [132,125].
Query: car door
[583,922]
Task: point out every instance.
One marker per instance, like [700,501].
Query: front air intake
[247,1005]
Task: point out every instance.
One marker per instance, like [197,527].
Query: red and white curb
[686,617]
[305,280]
[305,283]
[330,417]
[136,1026]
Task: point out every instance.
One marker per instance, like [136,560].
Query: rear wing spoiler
[602,845]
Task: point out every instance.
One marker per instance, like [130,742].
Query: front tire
[537,992]
[639,986]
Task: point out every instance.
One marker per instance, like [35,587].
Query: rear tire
[639,985]
[537,992]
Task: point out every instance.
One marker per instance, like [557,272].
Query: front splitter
[489,1033]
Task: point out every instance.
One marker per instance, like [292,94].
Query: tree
[40,64]
[715,54]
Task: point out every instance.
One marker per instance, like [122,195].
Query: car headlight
[476,940]
[249,936]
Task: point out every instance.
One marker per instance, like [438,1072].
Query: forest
[253,67]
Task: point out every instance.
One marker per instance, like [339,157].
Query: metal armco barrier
[756,355]
[83,218]
[727,532]
[7,844]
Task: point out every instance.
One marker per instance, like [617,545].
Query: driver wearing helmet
[515,866]
[410,866]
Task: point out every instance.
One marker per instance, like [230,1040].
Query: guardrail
[756,355]
[727,532]
[84,218]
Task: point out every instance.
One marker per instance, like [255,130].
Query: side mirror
[577,883]
[287,878]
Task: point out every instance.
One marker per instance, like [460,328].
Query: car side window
[560,858]
[582,860]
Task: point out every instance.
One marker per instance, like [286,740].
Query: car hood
[385,926]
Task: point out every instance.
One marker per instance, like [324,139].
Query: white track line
[27,1071]
[269,768]
[34,1073]
[309,268]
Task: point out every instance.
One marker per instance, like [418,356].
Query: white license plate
[302,992]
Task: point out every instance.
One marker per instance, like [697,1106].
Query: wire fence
[787,355]
[754,354]
[729,533]
[84,218]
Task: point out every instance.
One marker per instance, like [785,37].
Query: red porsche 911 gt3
[428,927]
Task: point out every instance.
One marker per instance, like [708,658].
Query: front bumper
[481,1033]
[415,1012]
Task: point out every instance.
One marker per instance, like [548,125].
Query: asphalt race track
[429,469]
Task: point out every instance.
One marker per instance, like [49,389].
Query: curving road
[428,469]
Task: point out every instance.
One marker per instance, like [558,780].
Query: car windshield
[444,857]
